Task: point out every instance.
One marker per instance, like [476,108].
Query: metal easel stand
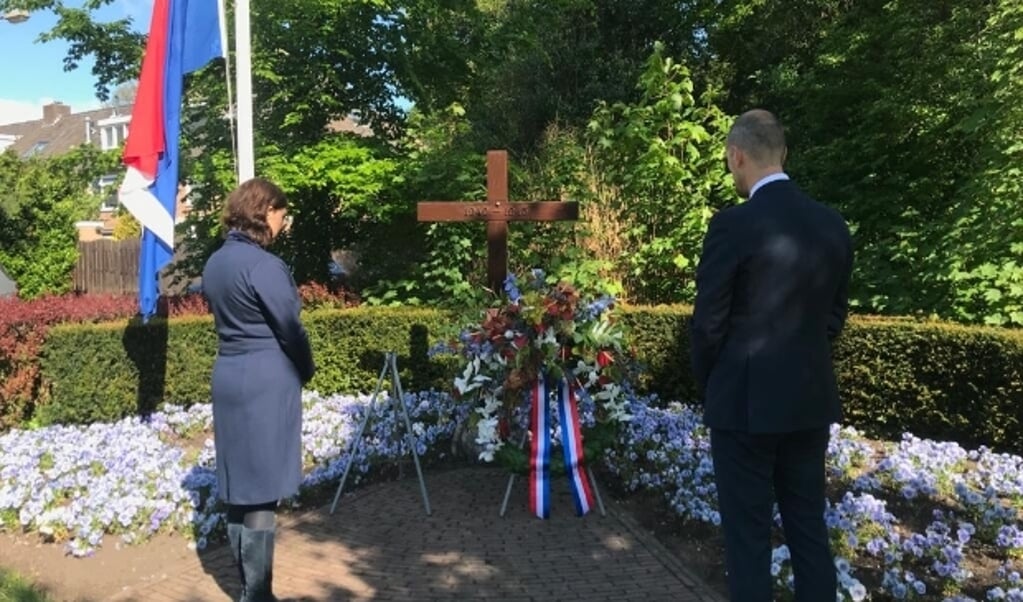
[398,399]
[589,475]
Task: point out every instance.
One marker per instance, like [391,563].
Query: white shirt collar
[775,177]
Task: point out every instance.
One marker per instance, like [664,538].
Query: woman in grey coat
[263,360]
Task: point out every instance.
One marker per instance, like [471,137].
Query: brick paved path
[380,545]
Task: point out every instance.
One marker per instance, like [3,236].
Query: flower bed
[75,485]
[912,519]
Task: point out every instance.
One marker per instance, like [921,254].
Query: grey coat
[263,360]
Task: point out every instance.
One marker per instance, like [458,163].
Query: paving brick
[380,545]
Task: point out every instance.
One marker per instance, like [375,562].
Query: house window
[113,131]
[112,137]
[105,186]
[36,149]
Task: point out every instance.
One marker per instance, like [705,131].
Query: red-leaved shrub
[315,296]
[23,327]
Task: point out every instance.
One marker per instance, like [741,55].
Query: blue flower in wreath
[511,289]
[598,307]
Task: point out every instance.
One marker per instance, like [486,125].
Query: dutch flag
[184,35]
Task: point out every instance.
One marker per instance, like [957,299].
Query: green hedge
[895,375]
[130,369]
[933,379]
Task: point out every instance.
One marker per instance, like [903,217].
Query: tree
[43,199]
[661,160]
[904,115]
[124,95]
[551,61]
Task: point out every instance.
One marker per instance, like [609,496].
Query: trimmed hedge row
[895,375]
[933,379]
[132,369]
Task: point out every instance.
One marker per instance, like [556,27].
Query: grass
[16,589]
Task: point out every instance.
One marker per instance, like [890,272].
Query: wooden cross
[497,211]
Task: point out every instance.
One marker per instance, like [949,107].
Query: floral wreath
[543,330]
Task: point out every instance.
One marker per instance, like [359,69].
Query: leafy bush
[40,200]
[934,379]
[24,325]
[132,369]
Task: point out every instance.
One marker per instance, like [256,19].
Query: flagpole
[243,56]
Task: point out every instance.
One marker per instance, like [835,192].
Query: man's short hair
[760,135]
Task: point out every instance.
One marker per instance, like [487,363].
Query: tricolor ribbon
[572,446]
[540,453]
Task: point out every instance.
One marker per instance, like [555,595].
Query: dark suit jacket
[771,296]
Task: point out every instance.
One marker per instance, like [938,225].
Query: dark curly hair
[247,207]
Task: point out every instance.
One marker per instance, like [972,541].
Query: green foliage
[550,61]
[933,379]
[987,269]
[905,115]
[40,200]
[660,340]
[582,253]
[16,589]
[446,265]
[127,227]
[349,348]
[337,188]
[662,158]
[134,367]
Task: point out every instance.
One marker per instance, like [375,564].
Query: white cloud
[14,111]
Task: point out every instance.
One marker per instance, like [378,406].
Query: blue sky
[33,72]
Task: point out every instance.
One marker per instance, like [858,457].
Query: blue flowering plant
[75,485]
[914,519]
[543,330]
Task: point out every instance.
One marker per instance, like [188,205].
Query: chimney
[88,130]
[54,111]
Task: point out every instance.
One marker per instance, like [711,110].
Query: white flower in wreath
[486,429]
[487,438]
[546,337]
[586,373]
[471,379]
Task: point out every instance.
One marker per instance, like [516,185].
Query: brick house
[58,132]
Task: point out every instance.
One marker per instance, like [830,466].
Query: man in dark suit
[771,297]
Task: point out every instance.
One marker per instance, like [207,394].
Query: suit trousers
[751,472]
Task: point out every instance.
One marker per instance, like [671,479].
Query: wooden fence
[108,266]
[112,266]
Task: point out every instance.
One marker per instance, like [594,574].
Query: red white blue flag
[184,35]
